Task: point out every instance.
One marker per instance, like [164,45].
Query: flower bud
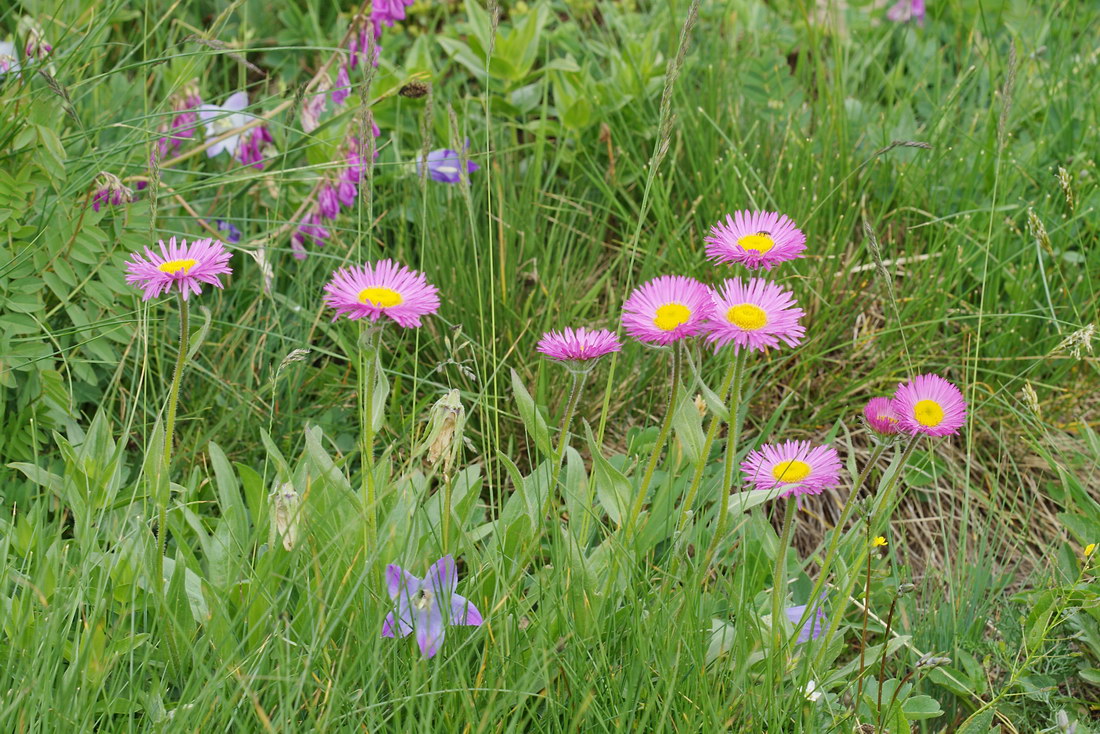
[285,512]
[446,422]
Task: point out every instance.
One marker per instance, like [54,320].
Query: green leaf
[916,708]
[532,418]
[613,489]
[979,723]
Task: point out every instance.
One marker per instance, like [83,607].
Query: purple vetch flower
[313,107]
[297,245]
[346,192]
[36,46]
[906,10]
[328,206]
[814,626]
[387,12]
[183,123]
[232,234]
[110,191]
[221,119]
[343,86]
[254,147]
[315,230]
[427,606]
[358,45]
[445,166]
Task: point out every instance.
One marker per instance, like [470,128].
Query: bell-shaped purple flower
[445,166]
[814,626]
[427,606]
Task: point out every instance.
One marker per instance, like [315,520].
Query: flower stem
[885,501]
[370,376]
[704,455]
[662,438]
[169,431]
[733,435]
[838,530]
[779,587]
[563,438]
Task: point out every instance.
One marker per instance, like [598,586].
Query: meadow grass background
[597,172]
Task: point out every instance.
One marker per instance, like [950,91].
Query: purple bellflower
[427,606]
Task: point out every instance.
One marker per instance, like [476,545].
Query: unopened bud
[286,505]
[701,405]
[932,661]
[904,589]
[446,423]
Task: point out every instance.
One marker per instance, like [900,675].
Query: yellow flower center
[791,471]
[423,600]
[380,297]
[888,418]
[760,242]
[174,266]
[671,315]
[747,317]
[928,413]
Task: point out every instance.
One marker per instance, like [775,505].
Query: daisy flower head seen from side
[578,346]
[792,468]
[929,405]
[879,416]
[667,309]
[755,240]
[183,265]
[383,288]
[754,314]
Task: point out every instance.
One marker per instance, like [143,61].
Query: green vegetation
[944,175]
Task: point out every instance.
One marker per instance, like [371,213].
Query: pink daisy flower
[930,405]
[667,309]
[755,240]
[879,414]
[383,288]
[754,314]
[578,345]
[793,468]
[183,265]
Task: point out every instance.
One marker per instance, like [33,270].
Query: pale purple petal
[464,612]
[443,576]
[429,631]
[813,627]
[236,102]
[400,582]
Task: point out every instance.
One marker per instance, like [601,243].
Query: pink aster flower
[383,288]
[880,417]
[930,405]
[755,240]
[183,265]
[793,468]
[578,345]
[427,606]
[667,309]
[754,314]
